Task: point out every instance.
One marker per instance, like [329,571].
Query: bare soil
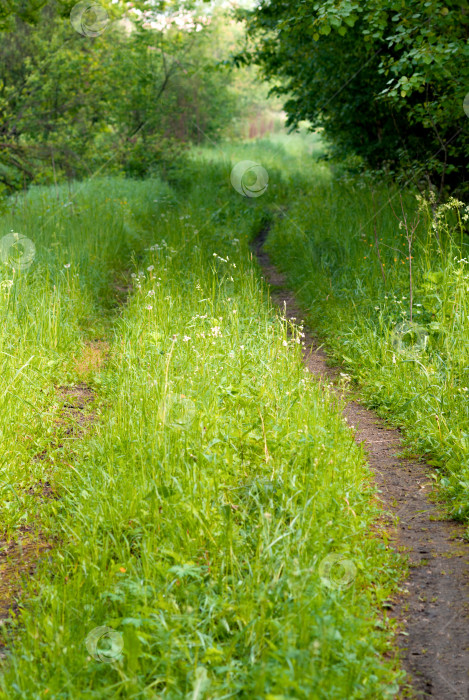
[433,611]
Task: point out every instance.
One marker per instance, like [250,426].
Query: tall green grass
[344,244]
[217,520]
[77,239]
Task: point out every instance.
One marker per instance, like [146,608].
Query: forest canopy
[385,80]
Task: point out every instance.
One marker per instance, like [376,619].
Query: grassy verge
[356,251]
[213,536]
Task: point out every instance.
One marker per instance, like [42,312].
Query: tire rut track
[433,611]
[20,555]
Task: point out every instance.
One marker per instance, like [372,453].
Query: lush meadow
[215,516]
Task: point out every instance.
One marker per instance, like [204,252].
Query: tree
[126,97]
[386,80]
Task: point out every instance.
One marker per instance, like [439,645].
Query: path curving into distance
[433,611]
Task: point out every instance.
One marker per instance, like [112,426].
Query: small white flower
[216,331]
[151,293]
[67,265]
[285,343]
[149,307]
[150,268]
[186,338]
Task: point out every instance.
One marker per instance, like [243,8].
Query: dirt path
[19,556]
[434,638]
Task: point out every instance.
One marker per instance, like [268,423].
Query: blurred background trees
[127,87]
[126,93]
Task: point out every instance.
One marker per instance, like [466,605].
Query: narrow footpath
[433,611]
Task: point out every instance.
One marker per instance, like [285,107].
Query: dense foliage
[125,100]
[386,80]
